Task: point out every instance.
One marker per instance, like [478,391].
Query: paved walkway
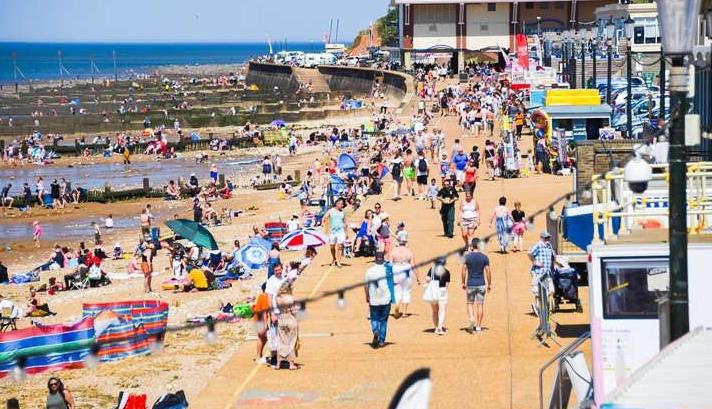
[494,369]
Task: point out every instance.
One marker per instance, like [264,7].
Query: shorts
[460,175]
[338,237]
[468,224]
[409,173]
[422,179]
[476,295]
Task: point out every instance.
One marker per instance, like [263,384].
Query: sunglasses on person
[53,384]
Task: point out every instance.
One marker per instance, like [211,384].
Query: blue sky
[183,20]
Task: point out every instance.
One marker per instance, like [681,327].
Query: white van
[314,59]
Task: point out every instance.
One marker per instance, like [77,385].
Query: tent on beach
[346,163]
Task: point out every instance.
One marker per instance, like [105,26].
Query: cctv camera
[637,173]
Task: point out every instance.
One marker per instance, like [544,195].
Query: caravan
[313,59]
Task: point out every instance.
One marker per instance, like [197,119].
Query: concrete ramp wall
[339,79]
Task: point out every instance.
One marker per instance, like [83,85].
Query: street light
[538,26]
[610,31]
[629,66]
[593,48]
[566,34]
[678,19]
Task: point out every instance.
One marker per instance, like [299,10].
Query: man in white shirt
[379,296]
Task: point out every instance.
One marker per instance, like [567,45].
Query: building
[454,32]
[646,33]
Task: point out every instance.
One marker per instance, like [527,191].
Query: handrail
[565,351]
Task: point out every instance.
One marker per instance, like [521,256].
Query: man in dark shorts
[476,281]
[421,170]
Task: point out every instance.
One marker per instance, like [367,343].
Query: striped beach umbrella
[253,256]
[301,238]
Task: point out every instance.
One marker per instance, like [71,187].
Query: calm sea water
[39,61]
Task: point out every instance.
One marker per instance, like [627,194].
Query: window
[491,6]
[529,5]
[484,27]
[632,286]
[543,5]
[639,35]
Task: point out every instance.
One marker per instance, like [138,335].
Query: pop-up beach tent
[346,163]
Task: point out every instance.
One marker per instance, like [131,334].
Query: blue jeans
[379,320]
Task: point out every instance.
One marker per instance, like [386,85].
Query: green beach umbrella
[194,232]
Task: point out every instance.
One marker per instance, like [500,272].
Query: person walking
[441,275]
[469,218]
[403,261]
[58,397]
[502,222]
[422,171]
[379,289]
[447,197]
[519,227]
[36,233]
[542,256]
[397,175]
[335,224]
[476,277]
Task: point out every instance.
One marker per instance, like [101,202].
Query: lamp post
[662,84]
[538,26]
[565,55]
[610,30]
[629,66]
[677,25]
[572,58]
[593,45]
[583,41]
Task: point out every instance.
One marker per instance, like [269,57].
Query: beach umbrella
[302,238]
[253,256]
[278,123]
[260,242]
[346,163]
[193,232]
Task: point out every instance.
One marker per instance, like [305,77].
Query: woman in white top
[469,218]
[403,271]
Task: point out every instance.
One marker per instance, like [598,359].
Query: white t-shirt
[378,293]
[273,285]
[292,225]
[109,223]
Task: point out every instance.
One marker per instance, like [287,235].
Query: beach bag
[130,401]
[171,401]
[430,293]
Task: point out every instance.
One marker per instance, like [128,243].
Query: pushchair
[566,288]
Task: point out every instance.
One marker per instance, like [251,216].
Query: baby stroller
[566,288]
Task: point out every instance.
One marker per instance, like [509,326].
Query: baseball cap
[544,235]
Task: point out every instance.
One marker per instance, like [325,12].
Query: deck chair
[79,283]
[7,321]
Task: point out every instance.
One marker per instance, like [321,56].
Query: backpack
[422,166]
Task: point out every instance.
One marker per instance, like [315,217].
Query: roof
[678,377]
[578,111]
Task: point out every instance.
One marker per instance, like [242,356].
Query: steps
[305,75]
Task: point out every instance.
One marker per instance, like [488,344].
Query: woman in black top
[441,274]
[518,227]
[490,153]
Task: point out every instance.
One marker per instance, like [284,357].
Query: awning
[578,111]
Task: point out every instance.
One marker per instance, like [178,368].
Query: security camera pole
[678,26]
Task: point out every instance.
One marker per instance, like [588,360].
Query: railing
[567,351]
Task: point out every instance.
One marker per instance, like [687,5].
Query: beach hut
[43,348]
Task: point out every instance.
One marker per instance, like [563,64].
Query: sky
[183,20]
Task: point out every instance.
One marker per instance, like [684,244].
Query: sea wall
[356,81]
[267,76]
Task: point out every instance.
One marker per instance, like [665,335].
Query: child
[97,232]
[109,222]
[36,233]
[432,193]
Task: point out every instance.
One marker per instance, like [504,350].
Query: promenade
[497,368]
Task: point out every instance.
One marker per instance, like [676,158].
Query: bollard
[221,180]
[298,175]
[146,186]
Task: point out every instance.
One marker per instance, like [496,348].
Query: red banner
[522,51]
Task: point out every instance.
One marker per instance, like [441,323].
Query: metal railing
[566,351]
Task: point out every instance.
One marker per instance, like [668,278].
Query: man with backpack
[422,172]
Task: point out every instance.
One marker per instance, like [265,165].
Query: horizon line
[250,41]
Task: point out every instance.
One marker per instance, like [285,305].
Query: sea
[41,61]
